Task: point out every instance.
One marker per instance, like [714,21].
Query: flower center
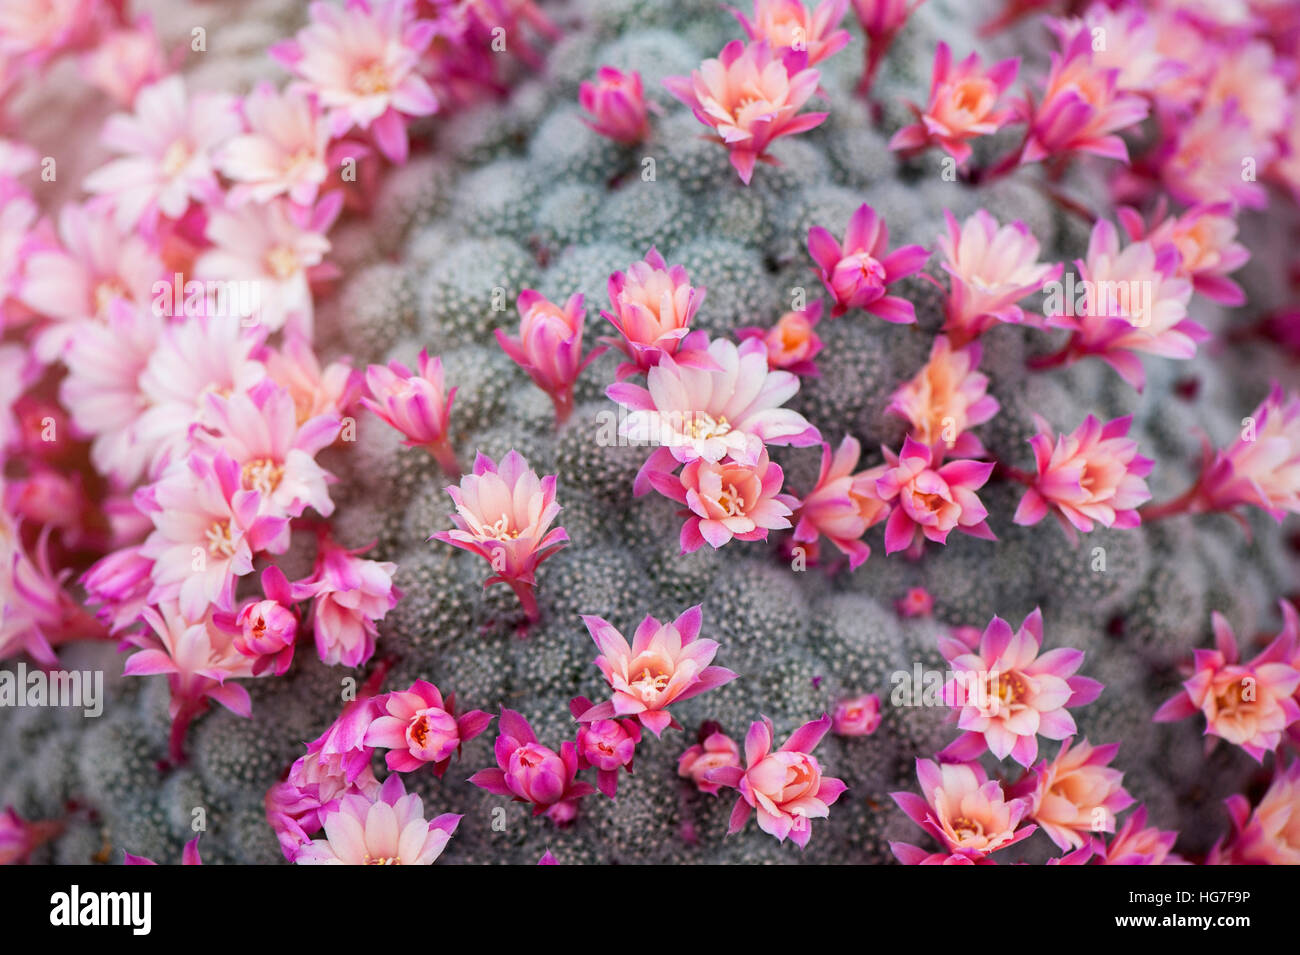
[262,475]
[501,530]
[175,158]
[370,80]
[106,292]
[382,860]
[731,500]
[651,683]
[1010,688]
[703,425]
[283,262]
[221,541]
[966,828]
[420,731]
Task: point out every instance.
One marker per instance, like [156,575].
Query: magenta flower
[348,596]
[963,105]
[786,786]
[1260,468]
[842,505]
[715,751]
[858,716]
[281,153]
[417,726]
[966,811]
[858,272]
[928,503]
[665,664]
[1093,475]
[549,346]
[361,61]
[18,837]
[917,602]
[1248,704]
[389,829]
[792,343]
[269,627]
[1136,844]
[615,105]
[945,399]
[880,20]
[1202,161]
[608,745]
[652,308]
[530,772]
[189,855]
[1008,693]
[504,516]
[749,96]
[418,405]
[1205,237]
[789,25]
[119,582]
[1266,836]
[1076,794]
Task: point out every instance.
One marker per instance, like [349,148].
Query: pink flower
[653,306]
[858,273]
[750,96]
[389,829]
[963,105]
[1132,46]
[19,837]
[1076,794]
[615,105]
[608,745]
[945,399]
[269,627]
[119,583]
[1271,834]
[715,751]
[207,528]
[350,594]
[417,726]
[1262,467]
[17,216]
[1205,239]
[504,516]
[965,810]
[917,602]
[1093,475]
[1247,704]
[315,390]
[991,268]
[124,61]
[727,499]
[928,503]
[731,408]
[786,786]
[1251,76]
[1081,109]
[1131,301]
[361,61]
[843,504]
[788,25]
[283,151]
[792,343]
[665,664]
[530,772]
[198,656]
[167,146]
[1202,161]
[880,20]
[418,405]
[549,346]
[1009,693]
[189,855]
[1135,844]
[35,32]
[859,716]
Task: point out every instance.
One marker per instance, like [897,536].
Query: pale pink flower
[715,751]
[349,594]
[1082,107]
[880,20]
[167,145]
[929,503]
[389,829]
[789,25]
[36,611]
[361,60]
[549,346]
[1208,153]
[727,499]
[859,716]
[1285,167]
[1093,475]
[1250,75]
[198,656]
[665,664]
[18,370]
[418,405]
[732,408]
[1205,237]
[606,745]
[1248,704]
[792,343]
[991,268]
[1136,844]
[207,529]
[1130,301]
[189,855]
[963,105]
[418,726]
[785,786]
[615,105]
[119,582]
[1262,467]
[858,272]
[125,60]
[1076,794]
[269,627]
[966,811]
[1270,835]
[18,837]
[283,151]
[504,515]
[315,390]
[652,308]
[37,30]
[1008,692]
[749,96]
[17,216]
[945,399]
[843,504]
[1131,45]
[529,772]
